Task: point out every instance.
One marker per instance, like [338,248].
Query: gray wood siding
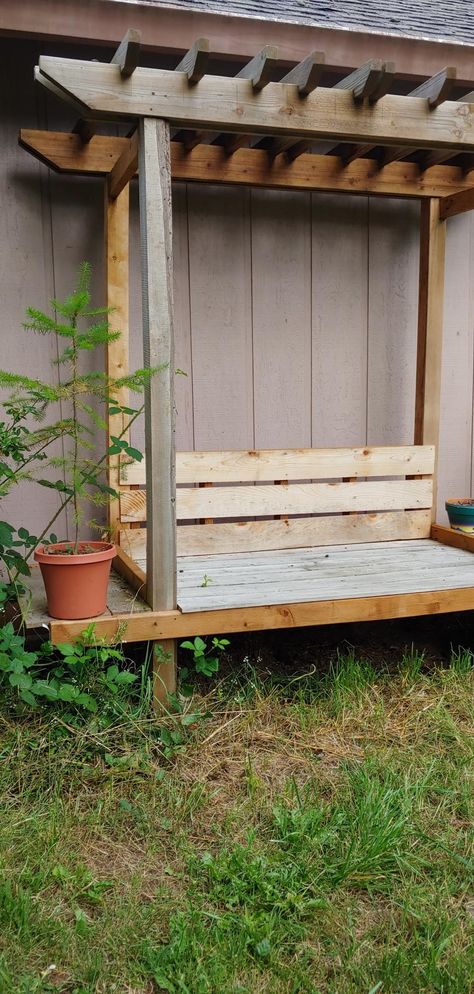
[295,313]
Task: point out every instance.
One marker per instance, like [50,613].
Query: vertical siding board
[393,309]
[281,298]
[221,318]
[25,253]
[455,447]
[339,319]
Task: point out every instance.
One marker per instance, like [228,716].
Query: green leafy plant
[205,659]
[79,676]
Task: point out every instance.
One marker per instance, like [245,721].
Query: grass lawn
[304,833]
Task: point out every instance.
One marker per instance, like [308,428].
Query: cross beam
[220,103]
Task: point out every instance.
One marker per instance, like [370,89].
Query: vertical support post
[158,348]
[430,330]
[116,229]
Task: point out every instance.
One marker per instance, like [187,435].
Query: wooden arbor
[249,130]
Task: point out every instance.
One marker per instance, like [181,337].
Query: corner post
[430,330]
[116,233]
[158,350]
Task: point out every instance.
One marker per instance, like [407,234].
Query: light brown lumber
[430,328]
[223,103]
[116,231]
[158,349]
[65,153]
[448,536]
[302,498]
[130,570]
[174,624]
[264,465]
[261,536]
[124,169]
[457,203]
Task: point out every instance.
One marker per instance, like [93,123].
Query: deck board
[331,572]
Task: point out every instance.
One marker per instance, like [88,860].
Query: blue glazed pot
[461,514]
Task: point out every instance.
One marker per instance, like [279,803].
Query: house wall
[295,312]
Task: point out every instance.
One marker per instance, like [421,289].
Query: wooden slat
[65,153]
[195,63]
[221,103]
[116,230]
[124,168]
[303,498]
[128,53]
[248,466]
[249,536]
[430,328]
[174,624]
[307,74]
[457,203]
[131,572]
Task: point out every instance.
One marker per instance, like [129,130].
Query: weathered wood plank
[64,152]
[302,498]
[430,328]
[259,69]
[195,63]
[128,53]
[228,104]
[307,74]
[175,624]
[249,536]
[366,81]
[246,466]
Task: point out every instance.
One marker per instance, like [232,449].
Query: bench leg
[164,672]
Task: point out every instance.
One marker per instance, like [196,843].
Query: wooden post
[116,223]
[430,330]
[158,348]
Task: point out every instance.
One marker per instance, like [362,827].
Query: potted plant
[76,572]
[461,514]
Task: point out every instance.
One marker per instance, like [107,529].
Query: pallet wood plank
[297,498]
[249,536]
[175,624]
[222,103]
[257,465]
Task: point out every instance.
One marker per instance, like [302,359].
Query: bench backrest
[237,501]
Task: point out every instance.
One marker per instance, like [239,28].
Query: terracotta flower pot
[461,514]
[76,584]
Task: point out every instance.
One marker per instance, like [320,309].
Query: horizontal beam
[222,103]
[456,203]
[65,153]
[156,625]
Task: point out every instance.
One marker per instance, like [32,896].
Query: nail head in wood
[196,62]
[128,53]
